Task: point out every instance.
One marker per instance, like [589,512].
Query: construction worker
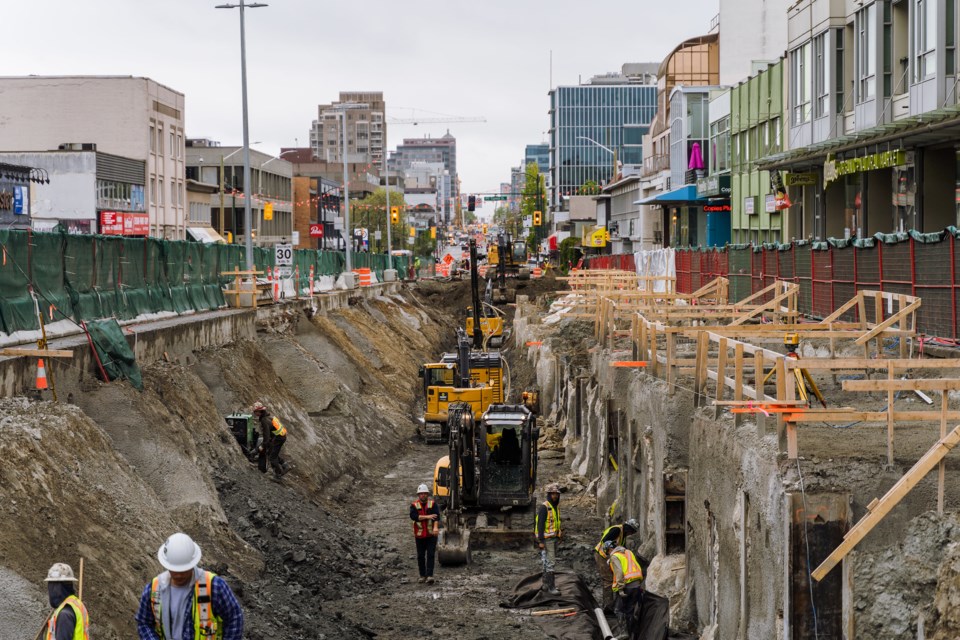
[274,437]
[618,534]
[69,619]
[185,602]
[548,531]
[425,514]
[626,588]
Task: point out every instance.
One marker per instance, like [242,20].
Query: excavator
[482,315]
[467,376]
[488,478]
[507,257]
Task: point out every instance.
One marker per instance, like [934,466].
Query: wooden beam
[826,364]
[853,415]
[889,322]
[896,493]
[36,353]
[931,384]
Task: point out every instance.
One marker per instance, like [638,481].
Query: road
[464,602]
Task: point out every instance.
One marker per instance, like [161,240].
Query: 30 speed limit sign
[283,255]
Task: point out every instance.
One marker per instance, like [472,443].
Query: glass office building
[615,112]
[539,153]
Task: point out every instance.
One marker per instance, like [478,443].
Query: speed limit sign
[283,255]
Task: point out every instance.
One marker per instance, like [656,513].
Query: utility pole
[346,196]
[247,213]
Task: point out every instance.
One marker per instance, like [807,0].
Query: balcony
[656,164]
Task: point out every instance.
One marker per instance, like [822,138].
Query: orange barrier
[482,270]
[537,272]
[366,278]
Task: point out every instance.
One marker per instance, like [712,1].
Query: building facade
[873,116]
[539,153]
[270,191]
[756,127]
[753,33]
[363,113]
[135,118]
[88,191]
[417,152]
[612,111]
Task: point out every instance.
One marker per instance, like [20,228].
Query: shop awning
[687,193]
[205,235]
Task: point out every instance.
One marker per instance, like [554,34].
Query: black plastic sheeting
[654,614]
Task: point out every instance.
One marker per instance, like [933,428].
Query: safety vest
[629,567]
[81,630]
[206,623]
[551,528]
[599,547]
[278,428]
[421,528]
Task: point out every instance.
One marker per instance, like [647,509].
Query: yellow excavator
[488,476]
[482,314]
[467,376]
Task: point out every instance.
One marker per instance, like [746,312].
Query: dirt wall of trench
[109,476]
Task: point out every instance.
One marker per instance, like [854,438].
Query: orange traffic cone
[41,375]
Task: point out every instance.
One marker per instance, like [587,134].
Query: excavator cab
[495,461]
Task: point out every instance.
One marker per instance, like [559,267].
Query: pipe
[604,627]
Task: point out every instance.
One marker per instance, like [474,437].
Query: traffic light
[433,233]
[471,203]
[394,215]
[537,218]
[484,229]
[413,232]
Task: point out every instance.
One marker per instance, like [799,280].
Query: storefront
[899,177]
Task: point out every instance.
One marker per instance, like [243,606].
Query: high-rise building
[442,150]
[136,118]
[590,121]
[539,153]
[366,129]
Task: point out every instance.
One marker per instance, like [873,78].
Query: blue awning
[687,193]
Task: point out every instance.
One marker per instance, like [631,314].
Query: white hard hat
[423,489]
[179,553]
[60,572]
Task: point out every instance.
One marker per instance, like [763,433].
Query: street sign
[377,234]
[285,272]
[492,198]
[296,238]
[283,255]
[316,231]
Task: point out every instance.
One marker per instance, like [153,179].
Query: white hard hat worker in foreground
[185,602]
[69,619]
[425,514]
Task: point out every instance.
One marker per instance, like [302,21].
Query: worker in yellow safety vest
[69,620]
[627,584]
[549,531]
[618,534]
[274,437]
[186,601]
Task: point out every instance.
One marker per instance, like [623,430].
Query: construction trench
[736,509]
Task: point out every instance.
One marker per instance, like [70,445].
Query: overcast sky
[487,58]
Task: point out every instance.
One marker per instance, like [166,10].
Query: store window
[905,197]
[720,145]
[853,205]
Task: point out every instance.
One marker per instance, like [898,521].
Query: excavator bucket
[453,547]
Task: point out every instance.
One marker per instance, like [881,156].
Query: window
[153,139]
[838,76]
[925,39]
[179,144]
[950,50]
[866,61]
[821,76]
[173,144]
[800,83]
[775,126]
[887,48]
[160,189]
[720,145]
[153,189]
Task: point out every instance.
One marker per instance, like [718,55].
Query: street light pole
[222,158]
[247,213]
[346,195]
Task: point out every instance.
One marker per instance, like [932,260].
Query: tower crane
[416,121]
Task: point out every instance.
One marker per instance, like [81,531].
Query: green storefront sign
[833,169]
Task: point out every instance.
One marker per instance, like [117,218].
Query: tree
[589,188]
[534,198]
[469,217]
[371,213]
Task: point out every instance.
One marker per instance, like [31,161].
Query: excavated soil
[326,552]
